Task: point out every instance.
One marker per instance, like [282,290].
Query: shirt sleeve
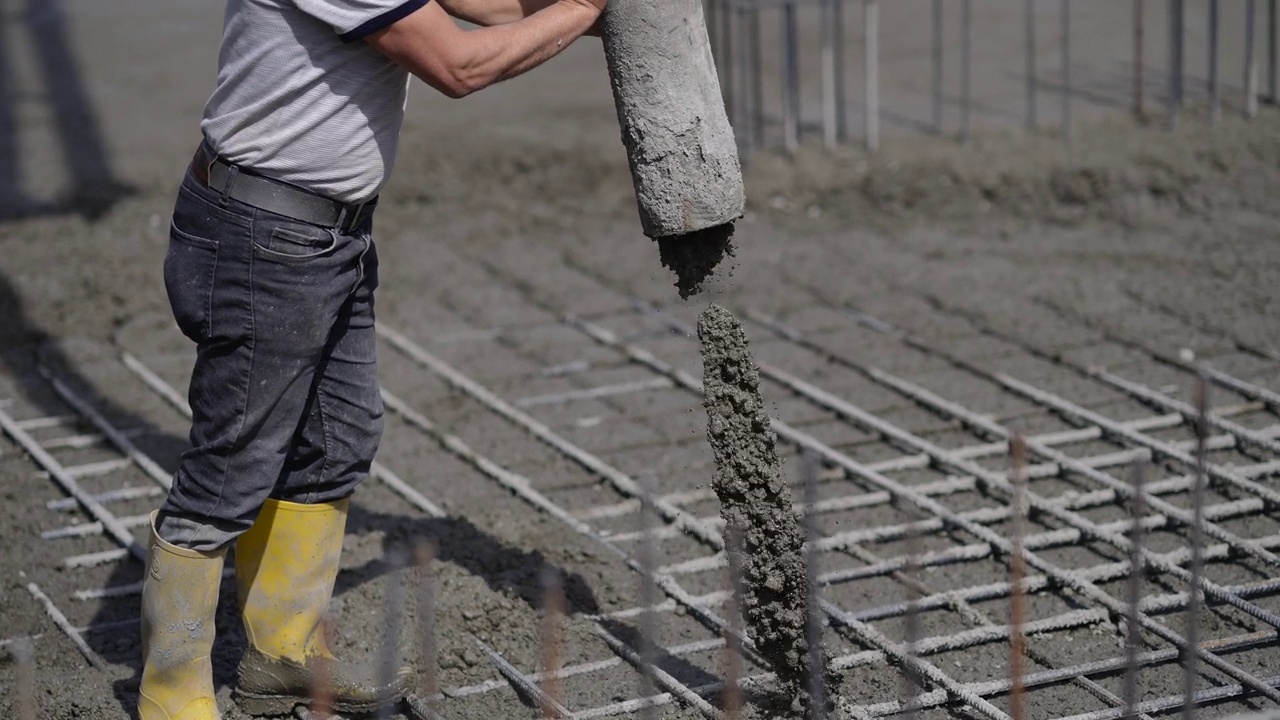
[354,19]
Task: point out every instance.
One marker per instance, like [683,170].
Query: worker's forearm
[504,51]
[487,13]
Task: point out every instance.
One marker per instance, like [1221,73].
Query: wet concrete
[694,257]
[755,502]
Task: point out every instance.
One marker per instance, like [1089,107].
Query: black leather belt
[275,196]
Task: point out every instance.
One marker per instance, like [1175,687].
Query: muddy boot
[179,598]
[285,568]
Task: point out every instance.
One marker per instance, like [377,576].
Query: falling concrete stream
[755,502]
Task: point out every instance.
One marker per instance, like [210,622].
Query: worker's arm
[487,13]
[459,62]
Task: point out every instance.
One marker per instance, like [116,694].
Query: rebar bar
[1250,59]
[817,666]
[1017,572]
[424,558]
[1029,48]
[756,29]
[72,633]
[523,684]
[1139,56]
[552,640]
[743,110]
[24,704]
[660,676]
[1177,36]
[393,617]
[966,69]
[871,63]
[790,77]
[1133,629]
[842,90]
[1067,91]
[911,626]
[936,78]
[1215,81]
[321,707]
[648,596]
[1196,598]
[827,32]
[1273,50]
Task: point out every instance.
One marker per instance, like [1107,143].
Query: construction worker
[271,271]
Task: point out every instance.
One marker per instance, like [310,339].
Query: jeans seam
[325,431]
[244,404]
[213,280]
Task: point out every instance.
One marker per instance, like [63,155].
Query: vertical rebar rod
[966,68]
[25,692]
[937,66]
[830,121]
[1133,627]
[1139,53]
[790,77]
[425,558]
[757,72]
[871,45]
[813,625]
[1250,59]
[1066,69]
[553,606]
[1017,573]
[911,623]
[1215,79]
[1029,30]
[1195,598]
[744,116]
[393,616]
[648,596]
[731,700]
[1176,38]
[842,89]
[1273,50]
[322,676]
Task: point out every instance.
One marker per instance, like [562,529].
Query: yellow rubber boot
[286,565]
[179,599]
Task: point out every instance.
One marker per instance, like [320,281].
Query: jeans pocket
[189,268]
[295,242]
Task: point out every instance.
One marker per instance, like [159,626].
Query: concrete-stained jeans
[284,391]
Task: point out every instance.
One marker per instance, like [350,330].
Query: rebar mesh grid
[929,499]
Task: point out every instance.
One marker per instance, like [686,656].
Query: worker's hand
[597,5]
[597,29]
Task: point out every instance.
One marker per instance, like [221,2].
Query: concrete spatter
[755,502]
[695,256]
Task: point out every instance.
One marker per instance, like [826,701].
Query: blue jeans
[284,391]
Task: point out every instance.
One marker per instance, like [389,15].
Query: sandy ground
[509,224]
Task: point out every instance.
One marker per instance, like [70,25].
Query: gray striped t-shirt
[302,99]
